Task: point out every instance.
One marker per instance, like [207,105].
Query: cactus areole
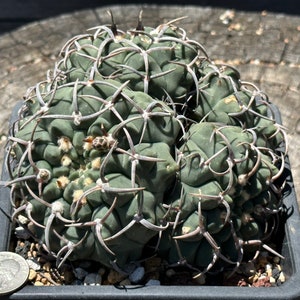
[138,144]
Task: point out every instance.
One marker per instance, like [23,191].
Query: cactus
[137,142]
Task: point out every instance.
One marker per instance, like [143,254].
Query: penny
[14,272]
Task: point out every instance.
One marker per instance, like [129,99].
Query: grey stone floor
[263,46]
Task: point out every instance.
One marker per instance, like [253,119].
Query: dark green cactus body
[149,61]
[139,137]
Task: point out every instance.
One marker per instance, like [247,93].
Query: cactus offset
[139,141]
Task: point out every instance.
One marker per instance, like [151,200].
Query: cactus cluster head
[137,143]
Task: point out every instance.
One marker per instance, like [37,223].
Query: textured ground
[265,47]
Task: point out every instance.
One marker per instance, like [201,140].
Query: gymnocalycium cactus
[137,142]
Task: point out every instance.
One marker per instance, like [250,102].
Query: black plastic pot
[288,290]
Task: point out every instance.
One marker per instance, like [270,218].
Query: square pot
[288,290]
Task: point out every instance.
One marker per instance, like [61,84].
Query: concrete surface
[263,46]
[15,13]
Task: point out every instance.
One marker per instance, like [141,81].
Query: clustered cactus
[137,143]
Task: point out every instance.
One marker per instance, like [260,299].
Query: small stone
[253,278]
[80,273]
[235,26]
[22,220]
[38,277]
[279,267]
[47,266]
[92,279]
[32,274]
[153,282]
[22,233]
[44,280]
[275,273]
[125,282]
[227,17]
[281,277]
[114,277]
[137,275]
[269,270]
[33,264]
[34,254]
[38,283]
[268,267]
[22,244]
[272,280]
[263,281]
[22,248]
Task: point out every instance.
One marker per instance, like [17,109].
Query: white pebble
[281,277]
[272,280]
[137,275]
[34,265]
[152,282]
[22,233]
[92,279]
[23,220]
[80,273]
[268,267]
